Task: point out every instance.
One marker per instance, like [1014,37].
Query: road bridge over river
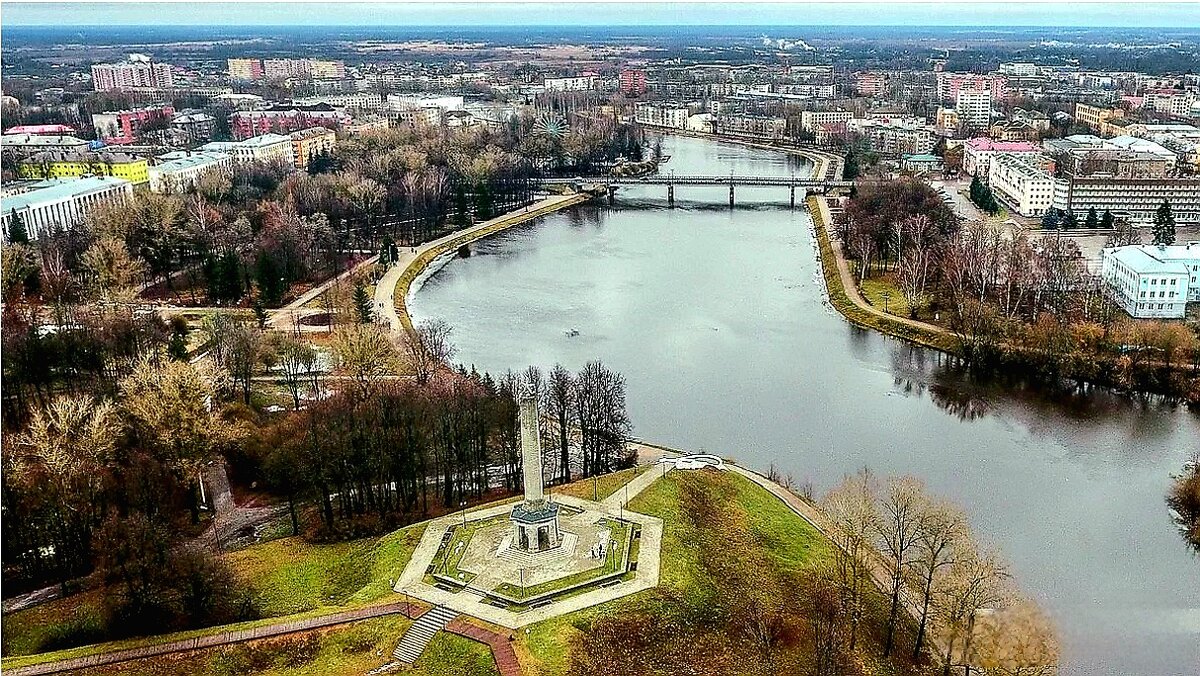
[609,184]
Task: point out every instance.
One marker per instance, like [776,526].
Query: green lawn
[785,537]
[284,576]
[873,290]
[603,486]
[351,650]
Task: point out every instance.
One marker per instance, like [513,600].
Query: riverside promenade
[391,293]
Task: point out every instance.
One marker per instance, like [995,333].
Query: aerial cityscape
[606,339]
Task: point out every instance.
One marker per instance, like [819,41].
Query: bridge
[610,183]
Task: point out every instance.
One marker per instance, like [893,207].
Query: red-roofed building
[122,126]
[978,152]
[41,129]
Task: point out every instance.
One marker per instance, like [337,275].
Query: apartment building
[1096,117]
[974,107]
[661,115]
[1153,282]
[1022,182]
[632,82]
[245,69]
[580,83]
[285,119]
[181,170]
[350,100]
[24,145]
[751,126]
[268,148]
[64,203]
[810,120]
[139,71]
[123,126]
[308,144]
[978,153]
[950,84]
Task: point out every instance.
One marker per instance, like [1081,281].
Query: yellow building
[310,143]
[1096,116]
[54,164]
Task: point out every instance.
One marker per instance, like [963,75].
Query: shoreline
[392,291]
[822,160]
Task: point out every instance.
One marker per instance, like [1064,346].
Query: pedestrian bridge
[609,184]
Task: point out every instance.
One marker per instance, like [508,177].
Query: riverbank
[825,164]
[391,293]
[845,297]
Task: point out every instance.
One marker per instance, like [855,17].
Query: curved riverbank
[391,294]
[825,164]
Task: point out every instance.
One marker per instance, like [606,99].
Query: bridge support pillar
[670,195]
[612,194]
[793,196]
[730,195]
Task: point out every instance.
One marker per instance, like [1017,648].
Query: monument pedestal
[534,521]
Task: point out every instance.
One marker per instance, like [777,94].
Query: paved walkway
[219,639]
[502,650]
[389,308]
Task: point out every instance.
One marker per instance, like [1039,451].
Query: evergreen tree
[260,313]
[1069,222]
[1106,220]
[224,277]
[976,189]
[1051,219]
[269,278]
[850,169]
[483,202]
[1093,221]
[1164,225]
[17,233]
[362,304]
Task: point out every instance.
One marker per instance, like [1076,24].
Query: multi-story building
[632,82]
[661,115]
[139,71]
[360,126]
[580,83]
[61,203]
[950,84]
[1034,118]
[326,70]
[1015,130]
[24,145]
[53,164]
[751,126]
[41,129]
[194,126]
[308,144]
[268,148]
[1018,69]
[947,119]
[895,138]
[974,107]
[284,119]
[1095,117]
[1135,199]
[1152,281]
[123,126]
[180,171]
[870,84]
[978,153]
[245,69]
[1023,183]
[810,120]
[349,100]
[282,69]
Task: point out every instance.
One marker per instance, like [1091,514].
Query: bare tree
[974,586]
[560,397]
[1019,640]
[943,531]
[429,348]
[365,354]
[853,509]
[296,358]
[898,527]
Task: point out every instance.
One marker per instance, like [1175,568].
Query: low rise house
[268,148]
[308,144]
[181,170]
[57,164]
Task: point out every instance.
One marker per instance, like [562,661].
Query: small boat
[571,333]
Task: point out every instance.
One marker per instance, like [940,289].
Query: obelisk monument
[535,521]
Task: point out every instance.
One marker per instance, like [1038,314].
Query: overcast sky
[565,13]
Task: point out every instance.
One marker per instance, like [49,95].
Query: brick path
[213,640]
[502,650]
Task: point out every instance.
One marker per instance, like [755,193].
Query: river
[717,320]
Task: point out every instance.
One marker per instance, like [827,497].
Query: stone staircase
[418,635]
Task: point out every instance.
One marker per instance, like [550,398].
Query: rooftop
[179,160]
[61,190]
[1149,259]
[986,144]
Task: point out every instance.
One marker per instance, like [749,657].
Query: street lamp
[463,505]
[886,295]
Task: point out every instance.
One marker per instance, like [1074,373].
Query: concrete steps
[419,634]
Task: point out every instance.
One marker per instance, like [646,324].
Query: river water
[717,320]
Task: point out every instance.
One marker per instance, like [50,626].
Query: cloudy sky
[552,12]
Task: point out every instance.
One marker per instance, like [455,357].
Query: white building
[974,107]
[1021,181]
[811,120]
[182,170]
[63,203]
[978,153]
[1021,69]
[1152,281]
[352,100]
[582,83]
[654,115]
[268,148]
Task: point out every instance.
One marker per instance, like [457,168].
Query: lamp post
[886,296]
[463,505]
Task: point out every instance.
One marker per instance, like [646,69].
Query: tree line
[1013,301]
